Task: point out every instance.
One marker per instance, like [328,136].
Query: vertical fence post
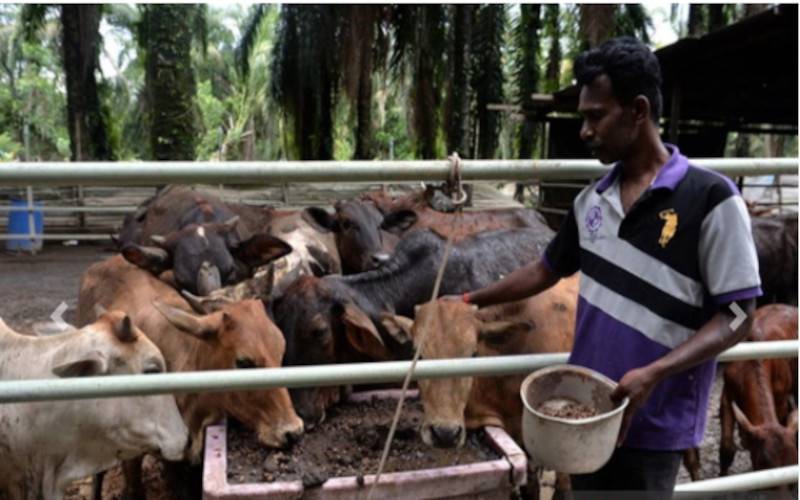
[31,219]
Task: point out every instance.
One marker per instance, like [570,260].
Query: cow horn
[207,305]
[230,224]
[123,330]
[159,240]
[742,419]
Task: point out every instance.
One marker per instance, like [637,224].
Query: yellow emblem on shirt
[670,219]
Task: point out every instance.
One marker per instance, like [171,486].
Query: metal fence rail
[747,481]
[320,375]
[155,173]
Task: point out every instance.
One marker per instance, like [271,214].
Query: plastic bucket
[572,446]
[18,224]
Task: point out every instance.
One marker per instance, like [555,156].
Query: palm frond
[249,35]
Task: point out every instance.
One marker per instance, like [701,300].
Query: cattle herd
[201,284]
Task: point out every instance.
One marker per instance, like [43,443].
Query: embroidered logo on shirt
[594,219]
[670,219]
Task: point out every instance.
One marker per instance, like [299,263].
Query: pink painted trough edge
[500,475]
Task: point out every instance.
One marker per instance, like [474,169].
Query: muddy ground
[32,287]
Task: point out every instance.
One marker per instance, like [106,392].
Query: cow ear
[361,333]
[493,331]
[323,264]
[399,327]
[153,259]
[320,219]
[261,249]
[91,364]
[205,327]
[399,221]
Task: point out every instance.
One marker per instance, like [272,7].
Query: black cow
[199,237]
[776,244]
[337,318]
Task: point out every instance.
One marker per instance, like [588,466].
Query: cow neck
[762,400]
[404,281]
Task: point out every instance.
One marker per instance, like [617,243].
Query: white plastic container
[572,446]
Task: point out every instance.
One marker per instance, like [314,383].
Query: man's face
[609,128]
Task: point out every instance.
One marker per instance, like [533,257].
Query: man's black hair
[631,67]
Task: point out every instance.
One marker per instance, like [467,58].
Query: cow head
[358,236]
[321,326]
[242,337]
[771,444]
[112,345]
[447,329]
[204,257]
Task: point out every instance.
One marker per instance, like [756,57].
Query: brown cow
[757,395]
[228,335]
[452,329]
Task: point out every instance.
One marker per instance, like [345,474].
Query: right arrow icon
[739,316]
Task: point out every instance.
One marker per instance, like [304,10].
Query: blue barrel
[18,224]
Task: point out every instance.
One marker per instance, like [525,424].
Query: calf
[337,318]
[225,336]
[757,395]
[776,244]
[366,233]
[44,446]
[451,329]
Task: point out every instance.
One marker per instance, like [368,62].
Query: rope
[455,174]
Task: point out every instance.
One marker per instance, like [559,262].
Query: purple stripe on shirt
[672,172]
[674,417]
[746,293]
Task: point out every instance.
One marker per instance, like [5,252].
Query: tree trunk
[716,19]
[425,93]
[366,15]
[596,23]
[529,79]
[169,81]
[458,94]
[80,38]
[553,73]
[696,19]
[752,9]
[488,75]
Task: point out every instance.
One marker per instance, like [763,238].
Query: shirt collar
[668,177]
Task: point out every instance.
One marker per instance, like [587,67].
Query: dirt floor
[32,287]
[349,443]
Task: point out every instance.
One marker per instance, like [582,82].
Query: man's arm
[713,338]
[529,280]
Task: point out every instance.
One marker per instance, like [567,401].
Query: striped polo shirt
[650,279]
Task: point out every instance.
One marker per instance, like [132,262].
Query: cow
[337,318]
[44,446]
[220,335]
[364,232]
[758,396]
[775,239]
[199,237]
[453,329]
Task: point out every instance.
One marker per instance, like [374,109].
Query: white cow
[44,446]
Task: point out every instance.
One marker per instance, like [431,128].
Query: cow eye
[347,225]
[244,363]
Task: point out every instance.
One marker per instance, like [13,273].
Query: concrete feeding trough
[487,480]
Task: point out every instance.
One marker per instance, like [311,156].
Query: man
[666,255]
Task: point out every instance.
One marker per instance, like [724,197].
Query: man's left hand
[637,385]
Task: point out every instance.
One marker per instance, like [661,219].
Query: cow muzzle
[443,435]
[208,278]
[378,259]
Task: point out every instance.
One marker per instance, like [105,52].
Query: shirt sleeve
[562,255]
[728,259]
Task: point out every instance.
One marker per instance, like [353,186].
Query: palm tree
[166,33]
[487,77]
[457,105]
[599,22]
[80,43]
[553,30]
[526,35]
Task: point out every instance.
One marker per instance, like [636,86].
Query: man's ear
[362,334]
[641,108]
[399,327]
